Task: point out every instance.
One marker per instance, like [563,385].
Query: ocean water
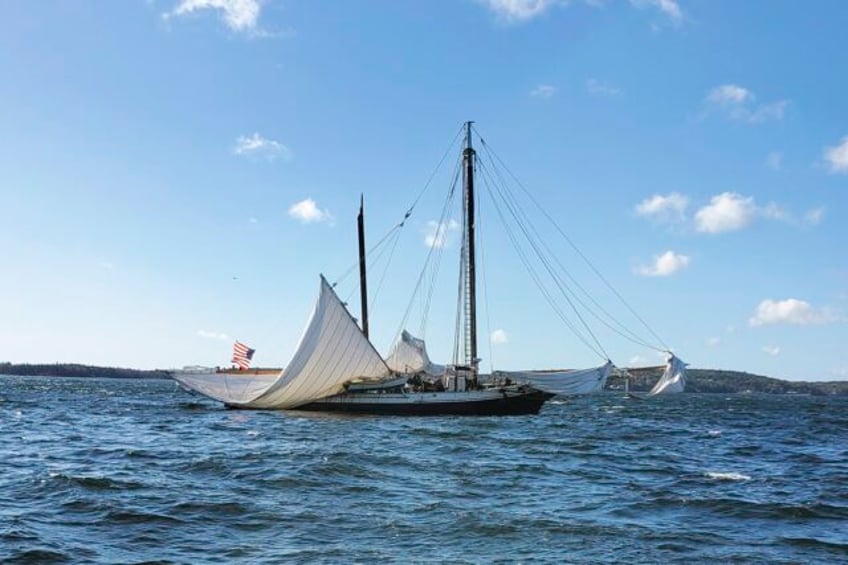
[113,471]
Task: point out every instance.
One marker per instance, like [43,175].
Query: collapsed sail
[331,352]
[409,355]
[230,388]
[563,383]
[673,378]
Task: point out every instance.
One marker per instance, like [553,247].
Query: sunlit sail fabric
[332,351]
[225,387]
[673,378]
[409,355]
[564,383]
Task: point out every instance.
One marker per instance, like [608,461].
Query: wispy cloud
[238,15]
[664,265]
[772,350]
[714,341]
[308,212]
[836,157]
[669,208]
[212,335]
[499,337]
[738,103]
[519,10]
[815,216]
[598,88]
[637,360]
[257,146]
[438,234]
[729,95]
[669,8]
[791,311]
[543,91]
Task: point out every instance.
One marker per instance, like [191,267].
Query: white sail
[332,351]
[564,383]
[231,388]
[409,355]
[673,378]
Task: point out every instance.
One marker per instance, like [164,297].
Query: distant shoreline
[641,380]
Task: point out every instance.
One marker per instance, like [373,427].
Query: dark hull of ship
[529,402]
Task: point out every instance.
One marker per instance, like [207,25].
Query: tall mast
[468,156]
[363,286]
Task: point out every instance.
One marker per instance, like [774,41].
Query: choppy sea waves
[112,471]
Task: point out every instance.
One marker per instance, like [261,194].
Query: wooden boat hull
[473,403]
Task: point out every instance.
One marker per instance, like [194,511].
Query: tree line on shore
[641,379]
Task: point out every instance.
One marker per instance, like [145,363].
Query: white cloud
[841,373]
[815,216]
[598,88]
[238,15]
[766,112]
[515,11]
[668,7]
[518,10]
[726,212]
[664,265]
[212,335]
[637,360]
[438,234]
[790,311]
[669,208]
[774,160]
[307,211]
[499,336]
[837,157]
[713,341]
[543,91]
[729,95]
[772,350]
[737,102]
[108,265]
[253,220]
[774,211]
[257,146]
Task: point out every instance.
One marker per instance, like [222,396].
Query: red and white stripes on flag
[242,355]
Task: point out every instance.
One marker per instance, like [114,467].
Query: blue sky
[176,173]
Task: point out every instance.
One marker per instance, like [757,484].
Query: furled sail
[332,351]
[409,355]
[563,383]
[673,378]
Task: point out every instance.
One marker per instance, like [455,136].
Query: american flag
[242,355]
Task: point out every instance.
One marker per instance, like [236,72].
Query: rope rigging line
[556,226]
[409,210]
[433,250]
[372,300]
[479,227]
[621,330]
[546,264]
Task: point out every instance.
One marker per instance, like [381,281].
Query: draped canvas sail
[409,355]
[673,378]
[331,352]
[563,383]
